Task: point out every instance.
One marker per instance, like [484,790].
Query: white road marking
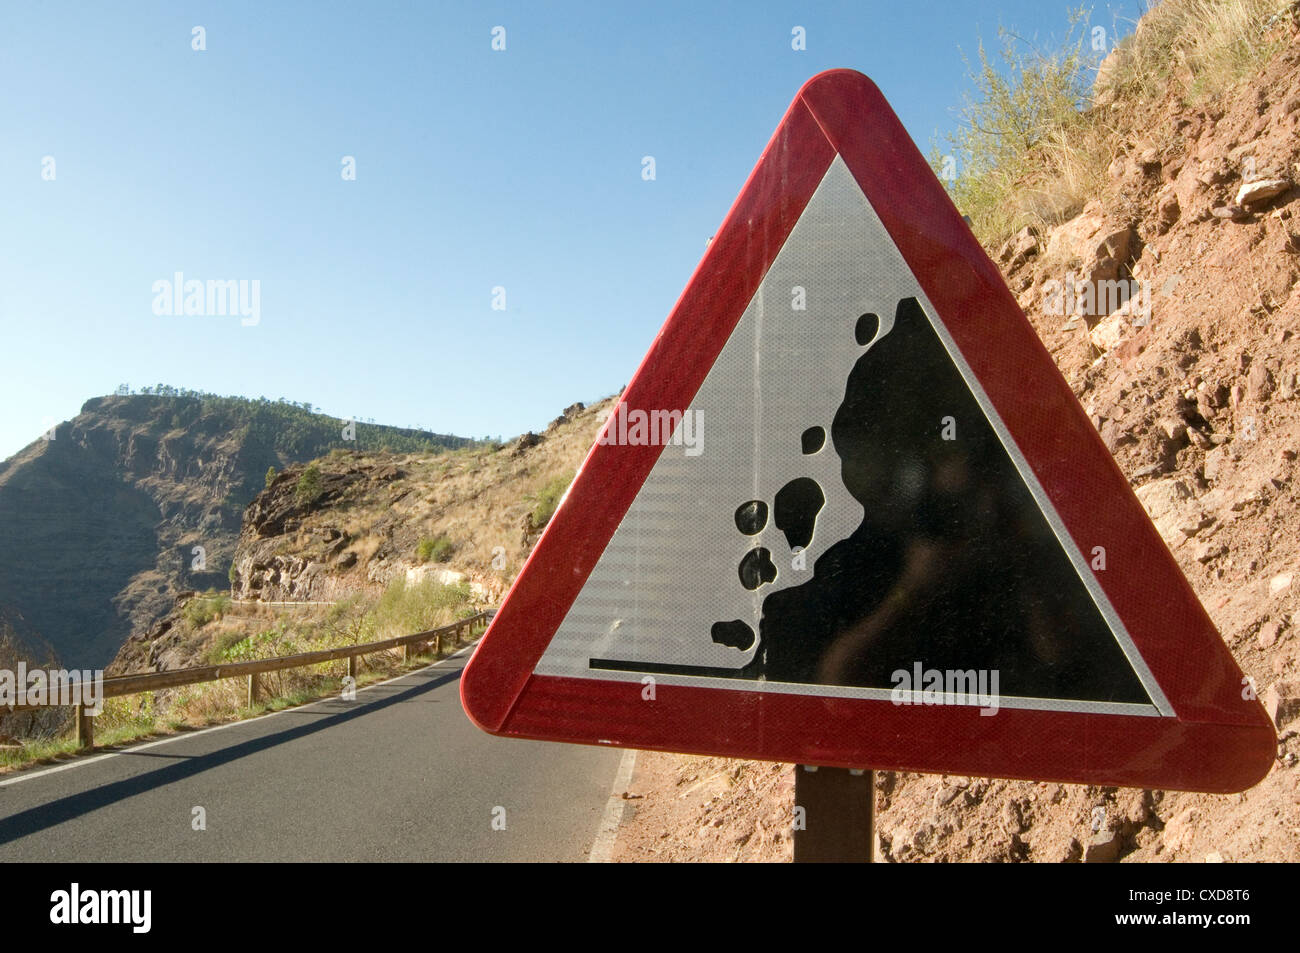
[603,848]
[82,762]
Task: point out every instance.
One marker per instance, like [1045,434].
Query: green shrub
[1016,150]
[271,643]
[403,609]
[1037,135]
[270,476]
[436,550]
[310,486]
[201,610]
[223,643]
[547,499]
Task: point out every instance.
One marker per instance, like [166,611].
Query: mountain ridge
[144,495]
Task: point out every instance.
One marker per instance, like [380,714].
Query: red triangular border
[1217,742]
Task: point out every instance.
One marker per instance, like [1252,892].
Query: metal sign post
[835,811]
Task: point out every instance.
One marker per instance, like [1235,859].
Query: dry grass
[399,611]
[1068,168]
[245,635]
[478,499]
[366,546]
[1032,156]
[1203,47]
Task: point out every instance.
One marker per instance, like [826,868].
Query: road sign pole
[837,823]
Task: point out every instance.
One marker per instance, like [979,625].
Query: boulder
[1215,462]
[526,442]
[1261,190]
[1282,701]
[1118,243]
[1188,189]
[1207,552]
[1167,208]
[1163,497]
[1166,502]
[1149,159]
[1070,237]
[1259,382]
[1268,633]
[1234,213]
[1111,331]
[1103,848]
[1104,252]
[444,577]
[1019,248]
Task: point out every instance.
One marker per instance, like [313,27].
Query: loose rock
[1261,190]
[1282,702]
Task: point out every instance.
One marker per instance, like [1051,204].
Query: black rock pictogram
[954,565]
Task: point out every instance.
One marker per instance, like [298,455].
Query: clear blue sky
[474,169]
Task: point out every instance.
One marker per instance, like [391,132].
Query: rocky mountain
[345,527]
[139,498]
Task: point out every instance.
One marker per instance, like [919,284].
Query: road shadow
[73,806]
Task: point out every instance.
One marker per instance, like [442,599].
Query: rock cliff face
[365,527]
[135,500]
[320,565]
[372,519]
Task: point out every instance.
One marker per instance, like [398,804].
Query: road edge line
[603,848]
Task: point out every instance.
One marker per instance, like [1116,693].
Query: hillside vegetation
[1039,130]
[138,499]
[373,528]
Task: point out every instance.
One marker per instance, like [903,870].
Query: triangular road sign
[849,513]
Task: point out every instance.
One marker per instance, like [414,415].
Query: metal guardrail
[119,685]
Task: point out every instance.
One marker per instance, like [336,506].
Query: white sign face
[748,506]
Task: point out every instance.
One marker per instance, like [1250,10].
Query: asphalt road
[398,774]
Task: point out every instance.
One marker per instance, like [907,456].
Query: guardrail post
[85,728]
[406,652]
[253,686]
[352,666]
